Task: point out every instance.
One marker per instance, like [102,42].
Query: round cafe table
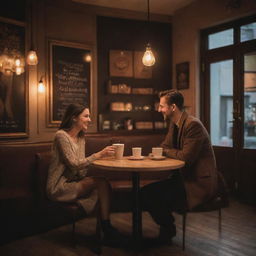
[136,167]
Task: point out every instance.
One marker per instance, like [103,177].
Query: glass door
[228,97]
[221,98]
[250,100]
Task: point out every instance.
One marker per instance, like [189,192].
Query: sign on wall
[70,77]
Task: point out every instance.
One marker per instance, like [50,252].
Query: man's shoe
[166,234]
[112,237]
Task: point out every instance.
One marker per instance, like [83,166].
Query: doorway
[228,101]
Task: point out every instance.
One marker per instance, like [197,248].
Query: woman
[67,174]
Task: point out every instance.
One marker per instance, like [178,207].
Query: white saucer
[136,158]
[157,157]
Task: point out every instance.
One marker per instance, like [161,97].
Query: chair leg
[73,230]
[220,220]
[183,230]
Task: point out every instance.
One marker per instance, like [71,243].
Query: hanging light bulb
[32,58]
[148,58]
[41,87]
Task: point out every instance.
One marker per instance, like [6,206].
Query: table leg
[137,218]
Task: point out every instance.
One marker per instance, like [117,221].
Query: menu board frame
[60,88]
[13,91]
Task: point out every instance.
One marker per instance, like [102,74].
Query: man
[187,140]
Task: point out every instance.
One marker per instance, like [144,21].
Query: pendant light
[148,58]
[32,56]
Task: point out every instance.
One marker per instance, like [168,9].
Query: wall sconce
[148,58]
[32,58]
[41,87]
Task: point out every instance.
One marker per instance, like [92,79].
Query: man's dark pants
[161,198]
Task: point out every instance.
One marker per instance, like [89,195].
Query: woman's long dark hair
[72,112]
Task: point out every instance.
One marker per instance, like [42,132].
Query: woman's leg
[104,193]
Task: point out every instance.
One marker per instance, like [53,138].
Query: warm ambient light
[88,57]
[41,87]
[32,58]
[148,58]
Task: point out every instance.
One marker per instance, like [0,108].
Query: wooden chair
[73,210]
[219,201]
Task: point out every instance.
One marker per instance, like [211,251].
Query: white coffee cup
[136,152]
[119,150]
[157,152]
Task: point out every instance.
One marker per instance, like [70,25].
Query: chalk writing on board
[71,79]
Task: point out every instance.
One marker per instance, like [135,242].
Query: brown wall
[187,23]
[69,21]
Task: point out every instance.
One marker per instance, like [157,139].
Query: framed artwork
[120,63]
[13,89]
[182,75]
[140,70]
[70,74]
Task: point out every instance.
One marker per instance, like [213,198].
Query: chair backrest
[220,200]
[42,165]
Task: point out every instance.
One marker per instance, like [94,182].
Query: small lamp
[41,87]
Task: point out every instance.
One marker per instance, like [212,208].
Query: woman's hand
[107,151]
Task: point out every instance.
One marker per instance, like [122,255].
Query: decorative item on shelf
[159,125]
[128,106]
[117,106]
[128,124]
[106,125]
[32,58]
[124,88]
[137,108]
[117,125]
[146,107]
[120,63]
[148,58]
[142,90]
[143,125]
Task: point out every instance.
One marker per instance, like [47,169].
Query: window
[248,32]
[221,39]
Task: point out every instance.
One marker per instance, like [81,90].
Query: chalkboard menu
[70,77]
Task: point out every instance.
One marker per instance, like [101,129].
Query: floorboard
[238,236]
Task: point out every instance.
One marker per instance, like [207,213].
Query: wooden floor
[238,236]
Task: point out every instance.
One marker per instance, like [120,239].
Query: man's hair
[173,97]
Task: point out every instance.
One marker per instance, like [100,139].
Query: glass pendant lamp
[148,58]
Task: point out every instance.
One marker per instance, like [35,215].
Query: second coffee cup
[119,150]
[157,152]
[136,152]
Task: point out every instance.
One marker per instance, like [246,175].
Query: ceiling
[164,7]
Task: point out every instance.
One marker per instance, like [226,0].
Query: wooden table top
[146,164]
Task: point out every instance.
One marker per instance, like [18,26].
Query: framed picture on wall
[182,75]
[120,63]
[70,75]
[13,89]
[140,70]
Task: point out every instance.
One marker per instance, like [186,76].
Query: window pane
[221,83]
[221,39]
[250,100]
[248,32]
